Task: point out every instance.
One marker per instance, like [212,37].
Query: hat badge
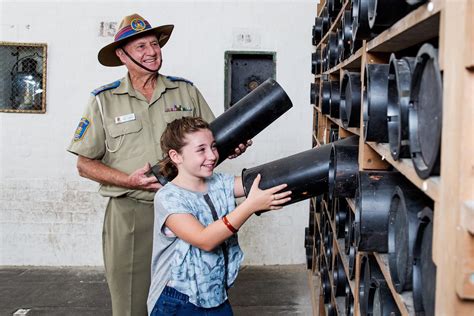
[137,25]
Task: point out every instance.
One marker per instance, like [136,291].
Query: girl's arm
[238,187]
[189,229]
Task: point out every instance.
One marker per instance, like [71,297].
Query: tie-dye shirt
[197,273]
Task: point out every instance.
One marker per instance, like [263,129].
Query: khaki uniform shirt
[123,130]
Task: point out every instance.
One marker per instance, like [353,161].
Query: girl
[196,255]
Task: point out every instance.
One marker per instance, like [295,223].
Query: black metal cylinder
[314,94]
[348,230]
[384,13]
[305,173]
[407,201]
[375,103]
[325,285]
[424,269]
[340,45]
[318,30]
[313,63]
[308,245]
[352,261]
[339,278]
[398,98]
[326,20]
[355,43]
[325,59]
[341,209]
[328,246]
[369,273]
[326,97]
[350,99]
[425,113]
[344,167]
[346,23]
[330,310]
[373,198]
[349,301]
[335,99]
[355,9]
[360,20]
[383,303]
[249,116]
[334,6]
[311,221]
[333,52]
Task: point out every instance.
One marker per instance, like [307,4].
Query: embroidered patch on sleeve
[81,129]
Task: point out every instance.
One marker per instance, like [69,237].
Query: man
[117,139]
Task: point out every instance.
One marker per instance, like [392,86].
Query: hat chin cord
[136,62]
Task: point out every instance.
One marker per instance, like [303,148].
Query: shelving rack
[451,22]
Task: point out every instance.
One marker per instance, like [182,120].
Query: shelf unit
[452,24]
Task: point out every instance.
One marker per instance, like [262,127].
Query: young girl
[196,254]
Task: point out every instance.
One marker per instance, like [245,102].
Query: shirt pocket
[171,116]
[123,137]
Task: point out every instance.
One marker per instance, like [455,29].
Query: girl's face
[199,156]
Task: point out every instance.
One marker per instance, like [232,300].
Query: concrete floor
[262,291]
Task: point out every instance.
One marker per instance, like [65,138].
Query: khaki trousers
[127,239]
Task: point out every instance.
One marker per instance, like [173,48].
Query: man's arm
[97,171]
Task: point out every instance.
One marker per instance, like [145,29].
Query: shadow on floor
[259,290]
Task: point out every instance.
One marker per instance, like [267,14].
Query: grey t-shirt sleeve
[167,202]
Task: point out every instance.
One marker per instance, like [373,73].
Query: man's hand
[241,149]
[138,180]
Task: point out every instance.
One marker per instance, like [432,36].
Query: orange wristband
[229,225]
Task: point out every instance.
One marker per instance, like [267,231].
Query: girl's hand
[268,199]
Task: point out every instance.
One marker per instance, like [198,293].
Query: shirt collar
[162,83]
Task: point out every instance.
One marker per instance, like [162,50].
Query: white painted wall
[51,216]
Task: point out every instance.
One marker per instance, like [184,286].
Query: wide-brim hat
[132,26]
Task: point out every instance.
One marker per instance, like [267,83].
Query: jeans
[172,302]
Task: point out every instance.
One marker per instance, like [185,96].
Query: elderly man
[117,139]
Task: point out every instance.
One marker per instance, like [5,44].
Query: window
[22,77]
[244,72]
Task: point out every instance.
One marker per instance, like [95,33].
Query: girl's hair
[173,138]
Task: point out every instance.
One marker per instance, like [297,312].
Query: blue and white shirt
[197,273]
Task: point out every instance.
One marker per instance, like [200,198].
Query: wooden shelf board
[341,305]
[418,26]
[352,204]
[405,300]
[353,62]
[353,130]
[345,263]
[430,186]
[314,284]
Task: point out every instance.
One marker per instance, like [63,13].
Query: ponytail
[167,168]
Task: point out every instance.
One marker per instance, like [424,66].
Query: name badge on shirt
[125,118]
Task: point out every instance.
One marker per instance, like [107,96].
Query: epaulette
[171,78]
[106,87]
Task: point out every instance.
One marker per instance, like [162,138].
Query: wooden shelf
[417,27]
[405,300]
[451,24]
[345,263]
[430,186]
[353,130]
[353,62]
[352,204]
[333,24]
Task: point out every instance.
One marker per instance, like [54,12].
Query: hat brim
[107,56]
